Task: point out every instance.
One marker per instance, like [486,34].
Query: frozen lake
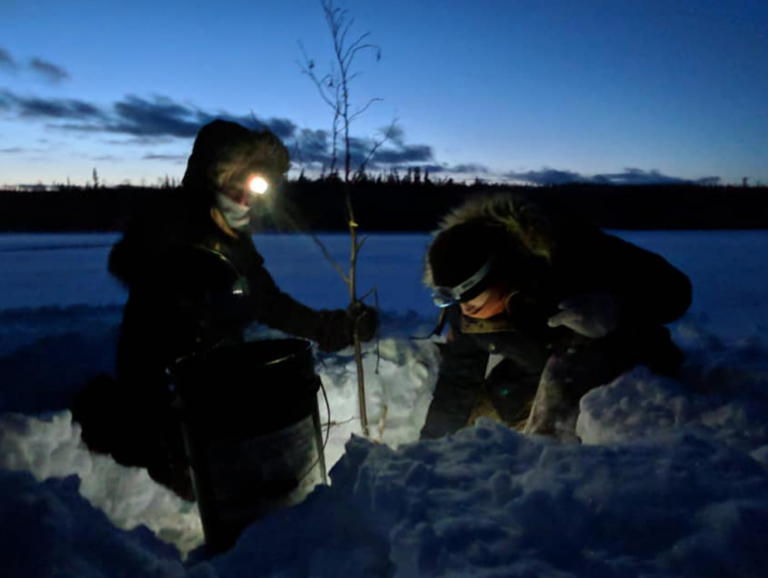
[727,269]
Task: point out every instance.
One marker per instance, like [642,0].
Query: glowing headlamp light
[447,296]
[258,185]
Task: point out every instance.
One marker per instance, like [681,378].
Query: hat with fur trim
[225,149]
[479,254]
[465,253]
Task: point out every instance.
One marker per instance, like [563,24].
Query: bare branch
[387,135]
[345,32]
[352,51]
[364,108]
[330,258]
[356,46]
[308,69]
[338,423]
[368,294]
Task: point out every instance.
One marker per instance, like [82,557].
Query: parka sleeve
[124,262]
[651,291]
[459,384]
[140,257]
[331,329]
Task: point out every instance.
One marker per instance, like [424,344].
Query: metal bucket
[252,432]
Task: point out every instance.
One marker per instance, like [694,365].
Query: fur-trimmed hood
[525,221]
[224,149]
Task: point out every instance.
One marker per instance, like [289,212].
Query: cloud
[11,150]
[444,168]
[139,141]
[394,151]
[48,108]
[148,121]
[473,168]
[159,119]
[634,176]
[403,153]
[132,116]
[160,116]
[51,72]
[545,176]
[709,181]
[630,176]
[158,157]
[436,169]
[314,147]
[282,127]
[155,118]
[6,60]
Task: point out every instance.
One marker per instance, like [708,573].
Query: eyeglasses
[447,296]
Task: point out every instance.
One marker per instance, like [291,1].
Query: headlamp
[257,184]
[447,296]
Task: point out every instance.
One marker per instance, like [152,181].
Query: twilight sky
[524,90]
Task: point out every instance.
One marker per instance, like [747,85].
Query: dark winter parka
[570,260]
[194,287]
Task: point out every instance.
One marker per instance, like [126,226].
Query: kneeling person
[561,307]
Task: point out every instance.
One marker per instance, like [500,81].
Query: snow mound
[49,529]
[489,502]
[51,448]
[722,395]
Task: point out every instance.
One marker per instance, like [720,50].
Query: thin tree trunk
[355,334]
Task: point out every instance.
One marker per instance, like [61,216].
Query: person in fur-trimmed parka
[195,282]
[195,277]
[558,307]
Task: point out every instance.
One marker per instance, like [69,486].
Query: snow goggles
[447,296]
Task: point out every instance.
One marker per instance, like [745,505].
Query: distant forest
[403,205]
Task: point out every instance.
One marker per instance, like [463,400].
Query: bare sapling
[334,89]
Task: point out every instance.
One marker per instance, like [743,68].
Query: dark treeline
[382,205]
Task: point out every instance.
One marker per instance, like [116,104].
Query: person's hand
[364,319]
[338,326]
[590,314]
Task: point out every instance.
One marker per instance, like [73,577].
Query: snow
[671,480]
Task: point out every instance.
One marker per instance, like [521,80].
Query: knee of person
[440,424]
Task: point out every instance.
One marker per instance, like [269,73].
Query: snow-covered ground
[672,479]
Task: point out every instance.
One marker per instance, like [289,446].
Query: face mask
[236,215]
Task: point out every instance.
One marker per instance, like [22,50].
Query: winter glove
[593,315]
[338,326]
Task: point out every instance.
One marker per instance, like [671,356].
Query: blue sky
[524,90]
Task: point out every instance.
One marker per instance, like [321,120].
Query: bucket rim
[302,347]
